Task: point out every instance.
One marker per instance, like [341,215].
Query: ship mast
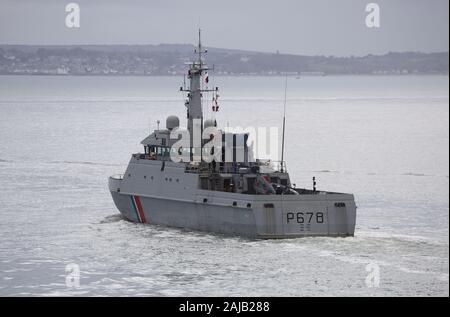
[194,101]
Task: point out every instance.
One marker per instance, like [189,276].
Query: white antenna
[284,124]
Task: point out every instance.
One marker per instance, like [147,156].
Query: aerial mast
[194,101]
[284,125]
[200,47]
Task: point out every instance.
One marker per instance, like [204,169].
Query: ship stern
[293,216]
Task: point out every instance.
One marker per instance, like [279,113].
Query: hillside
[170,59]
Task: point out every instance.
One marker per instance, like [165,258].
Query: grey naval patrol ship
[239,196]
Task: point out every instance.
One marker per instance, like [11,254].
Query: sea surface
[383,138]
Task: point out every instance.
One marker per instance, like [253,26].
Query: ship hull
[173,213]
[254,216]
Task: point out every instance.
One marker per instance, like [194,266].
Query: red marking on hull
[140,209]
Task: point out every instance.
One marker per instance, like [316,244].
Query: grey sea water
[385,139]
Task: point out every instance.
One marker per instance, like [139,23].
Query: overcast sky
[329,27]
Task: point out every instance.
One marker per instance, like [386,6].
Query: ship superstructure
[204,178]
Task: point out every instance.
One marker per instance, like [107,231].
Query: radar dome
[172,122]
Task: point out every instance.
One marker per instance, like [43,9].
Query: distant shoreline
[229,75]
[171,60]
